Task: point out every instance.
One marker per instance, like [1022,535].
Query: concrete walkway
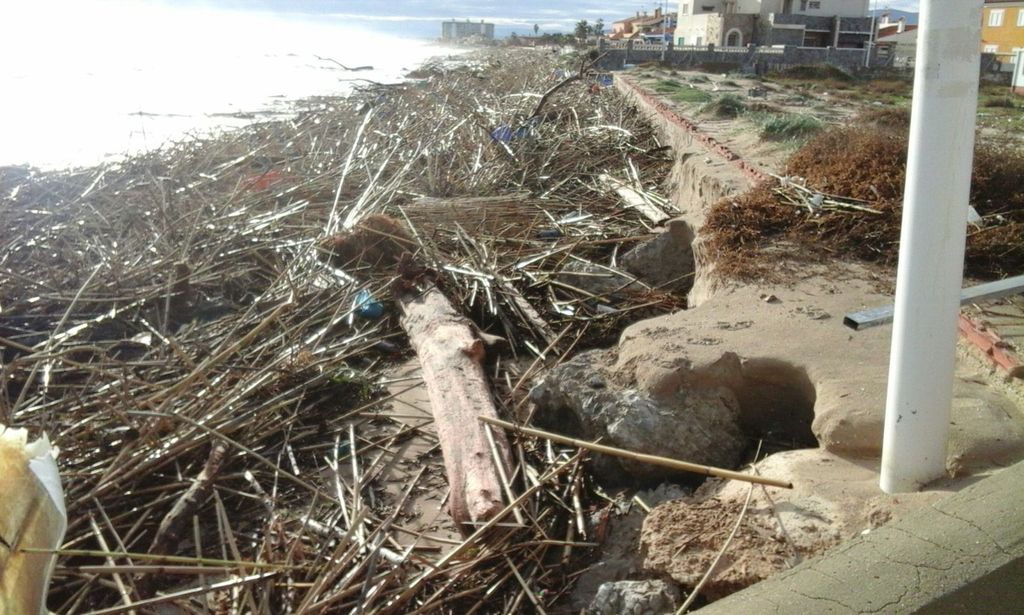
[963,554]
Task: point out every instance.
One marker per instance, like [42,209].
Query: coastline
[243,292]
[135,107]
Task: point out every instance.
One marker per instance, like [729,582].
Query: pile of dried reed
[174,322]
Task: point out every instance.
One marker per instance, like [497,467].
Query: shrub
[895,88]
[815,72]
[1006,103]
[866,161]
[895,118]
[667,86]
[787,126]
[727,105]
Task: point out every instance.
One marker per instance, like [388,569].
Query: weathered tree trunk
[451,357]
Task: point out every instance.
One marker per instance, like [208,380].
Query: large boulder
[699,425]
[666,260]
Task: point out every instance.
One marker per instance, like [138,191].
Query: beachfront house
[801,23]
[903,45]
[656,28]
[623,29]
[887,26]
[1002,28]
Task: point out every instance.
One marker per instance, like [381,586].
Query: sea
[92,83]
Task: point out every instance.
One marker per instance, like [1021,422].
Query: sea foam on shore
[91,84]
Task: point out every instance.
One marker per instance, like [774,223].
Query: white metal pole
[871,35]
[933,234]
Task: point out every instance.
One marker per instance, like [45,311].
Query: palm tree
[582,30]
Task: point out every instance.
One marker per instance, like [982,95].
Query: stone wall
[743,23]
[786,36]
[753,59]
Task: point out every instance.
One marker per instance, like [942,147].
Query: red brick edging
[990,344]
[749,170]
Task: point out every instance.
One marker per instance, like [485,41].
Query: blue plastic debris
[522,132]
[366,306]
[551,233]
[502,134]
[605,81]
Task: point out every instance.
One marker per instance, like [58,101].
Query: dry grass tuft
[866,161]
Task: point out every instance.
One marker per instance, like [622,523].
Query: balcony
[809,22]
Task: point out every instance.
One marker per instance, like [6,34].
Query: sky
[550,15]
[421,18]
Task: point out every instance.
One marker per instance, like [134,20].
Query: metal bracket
[876,316]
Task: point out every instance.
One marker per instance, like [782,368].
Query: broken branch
[685,466]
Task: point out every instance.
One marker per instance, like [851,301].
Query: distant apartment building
[1002,28]
[455,30]
[802,23]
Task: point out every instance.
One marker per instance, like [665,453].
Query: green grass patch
[789,126]
[667,86]
[690,95]
[1004,102]
[726,105]
[680,92]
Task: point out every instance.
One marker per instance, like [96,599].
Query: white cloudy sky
[519,12]
[422,17]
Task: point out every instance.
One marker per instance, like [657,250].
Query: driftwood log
[451,356]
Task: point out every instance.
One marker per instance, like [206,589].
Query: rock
[594,279]
[698,425]
[617,528]
[651,597]
[662,493]
[665,261]
[833,499]
[683,537]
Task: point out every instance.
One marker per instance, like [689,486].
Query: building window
[814,4]
[685,10]
[803,5]
[1020,18]
[991,48]
[995,18]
